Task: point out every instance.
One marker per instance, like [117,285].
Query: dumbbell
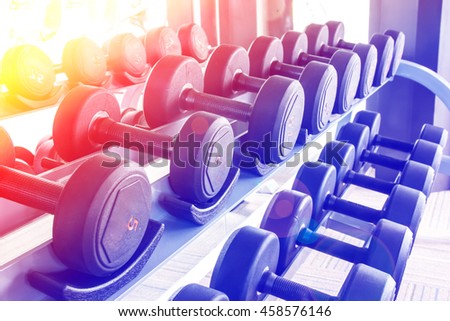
[424,152]
[160,42]
[126,56]
[101,213]
[336,34]
[289,215]
[88,117]
[430,133]
[383,42]
[346,63]
[342,156]
[28,71]
[197,292]
[318,45]
[227,74]
[246,269]
[319,80]
[175,85]
[317,179]
[194,41]
[84,62]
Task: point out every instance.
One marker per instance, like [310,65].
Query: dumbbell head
[194,41]
[286,215]
[160,42]
[318,80]
[427,153]
[99,222]
[7,156]
[246,256]
[357,135]
[27,71]
[212,135]
[434,134]
[417,176]
[127,54]
[224,63]
[294,43]
[385,49]
[289,212]
[399,47]
[318,180]
[336,31]
[372,120]
[45,150]
[318,37]
[84,61]
[73,120]
[342,156]
[405,206]
[197,292]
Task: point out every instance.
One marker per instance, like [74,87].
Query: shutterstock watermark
[192,153]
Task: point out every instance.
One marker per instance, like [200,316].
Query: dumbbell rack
[178,234]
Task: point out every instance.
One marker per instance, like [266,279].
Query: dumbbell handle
[382,160]
[288,290]
[393,144]
[331,246]
[372,183]
[345,44]
[305,58]
[352,209]
[282,69]
[106,130]
[194,100]
[29,190]
[243,82]
[328,51]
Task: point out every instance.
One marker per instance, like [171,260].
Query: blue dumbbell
[246,269]
[317,179]
[430,133]
[358,135]
[197,292]
[342,156]
[289,215]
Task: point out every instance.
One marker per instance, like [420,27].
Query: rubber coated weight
[194,41]
[288,216]
[7,155]
[46,154]
[246,268]
[318,45]
[160,42]
[175,86]
[101,213]
[84,62]
[346,63]
[88,118]
[342,156]
[399,48]
[318,80]
[197,292]
[382,42]
[127,54]
[404,205]
[27,71]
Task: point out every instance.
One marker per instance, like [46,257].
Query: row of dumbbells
[125,59]
[177,86]
[252,260]
[89,117]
